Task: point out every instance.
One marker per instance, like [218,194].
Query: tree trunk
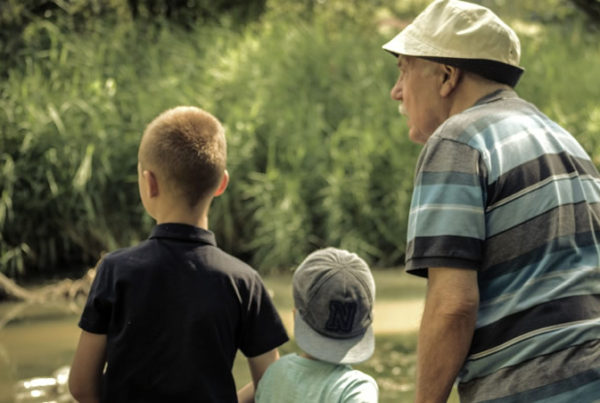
[590,7]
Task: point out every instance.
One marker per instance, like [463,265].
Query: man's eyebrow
[401,60]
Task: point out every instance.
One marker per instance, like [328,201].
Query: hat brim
[338,351]
[491,69]
[405,44]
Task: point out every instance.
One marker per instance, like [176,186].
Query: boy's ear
[223,184]
[151,183]
[451,77]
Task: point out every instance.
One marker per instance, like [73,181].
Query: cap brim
[337,351]
[404,44]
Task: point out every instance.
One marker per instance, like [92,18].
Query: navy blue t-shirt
[175,310]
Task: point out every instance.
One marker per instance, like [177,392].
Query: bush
[311,128]
[79,16]
[317,152]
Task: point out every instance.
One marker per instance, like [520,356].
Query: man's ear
[223,184]
[151,183]
[450,78]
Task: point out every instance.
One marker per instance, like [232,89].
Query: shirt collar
[496,95]
[183,232]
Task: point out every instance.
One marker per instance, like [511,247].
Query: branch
[14,291]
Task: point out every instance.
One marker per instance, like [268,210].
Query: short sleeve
[362,390]
[263,329]
[447,215]
[98,307]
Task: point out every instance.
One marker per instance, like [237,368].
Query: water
[38,340]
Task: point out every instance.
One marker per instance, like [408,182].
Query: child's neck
[201,222]
[306,355]
[175,213]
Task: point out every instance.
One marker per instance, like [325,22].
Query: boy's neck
[310,357]
[201,222]
[175,213]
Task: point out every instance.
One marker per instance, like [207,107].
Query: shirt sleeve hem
[274,343]
[419,267]
[90,328]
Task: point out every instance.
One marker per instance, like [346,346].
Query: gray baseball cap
[334,293]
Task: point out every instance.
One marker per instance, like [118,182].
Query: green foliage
[591,8]
[547,11]
[16,16]
[561,80]
[188,12]
[317,152]
[63,138]
[311,150]
[79,16]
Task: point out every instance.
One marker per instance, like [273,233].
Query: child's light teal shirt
[296,379]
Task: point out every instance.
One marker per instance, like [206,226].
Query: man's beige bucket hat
[463,34]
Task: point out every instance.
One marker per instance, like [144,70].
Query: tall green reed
[308,106]
[318,155]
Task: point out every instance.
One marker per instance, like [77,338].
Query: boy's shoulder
[195,246]
[293,372]
[296,360]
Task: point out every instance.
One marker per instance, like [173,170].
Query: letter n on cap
[341,316]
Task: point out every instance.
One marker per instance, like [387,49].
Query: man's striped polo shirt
[502,189]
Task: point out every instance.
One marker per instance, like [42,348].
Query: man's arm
[258,365]
[87,367]
[446,331]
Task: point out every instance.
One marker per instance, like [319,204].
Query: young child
[334,293]
[164,319]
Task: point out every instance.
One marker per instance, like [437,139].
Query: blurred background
[318,154]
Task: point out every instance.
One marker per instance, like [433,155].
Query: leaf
[84,173]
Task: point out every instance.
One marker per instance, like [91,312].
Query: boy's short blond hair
[186,146]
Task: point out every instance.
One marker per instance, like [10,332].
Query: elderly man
[504,221]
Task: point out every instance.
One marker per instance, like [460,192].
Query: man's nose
[396,91]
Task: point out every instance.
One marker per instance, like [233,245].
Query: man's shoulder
[486,117]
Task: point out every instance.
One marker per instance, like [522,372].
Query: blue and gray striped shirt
[504,190]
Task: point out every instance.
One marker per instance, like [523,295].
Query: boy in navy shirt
[164,319]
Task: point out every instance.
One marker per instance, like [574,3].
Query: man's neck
[471,91]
